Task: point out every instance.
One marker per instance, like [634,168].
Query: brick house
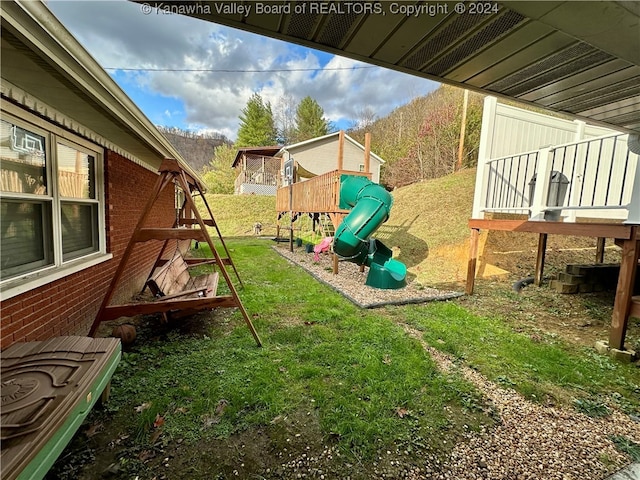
[78,161]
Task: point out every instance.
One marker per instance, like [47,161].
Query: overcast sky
[120,35]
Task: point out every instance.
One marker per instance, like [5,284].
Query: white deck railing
[595,178]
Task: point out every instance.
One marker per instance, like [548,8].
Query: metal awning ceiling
[580,58]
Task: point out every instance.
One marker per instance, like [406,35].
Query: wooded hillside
[196,148]
[420,140]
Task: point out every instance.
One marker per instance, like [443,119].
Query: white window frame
[60,268]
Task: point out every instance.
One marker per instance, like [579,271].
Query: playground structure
[356,207]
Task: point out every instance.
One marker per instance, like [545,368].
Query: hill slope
[428,231]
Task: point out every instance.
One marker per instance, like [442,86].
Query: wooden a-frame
[171,173]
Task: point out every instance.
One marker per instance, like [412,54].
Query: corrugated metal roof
[577,57]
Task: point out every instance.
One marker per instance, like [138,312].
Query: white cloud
[118,34]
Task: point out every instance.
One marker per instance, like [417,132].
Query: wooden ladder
[184,228]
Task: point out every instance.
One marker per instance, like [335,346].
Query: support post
[473,260]
[340,150]
[335,264]
[624,290]
[484,154]
[542,251]
[543,180]
[367,152]
[463,128]
[600,249]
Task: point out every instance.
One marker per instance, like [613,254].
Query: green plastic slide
[370,205]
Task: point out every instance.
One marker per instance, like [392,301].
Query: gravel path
[530,442]
[350,282]
[534,442]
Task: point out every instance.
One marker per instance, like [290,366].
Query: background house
[79,160]
[318,156]
[257,170]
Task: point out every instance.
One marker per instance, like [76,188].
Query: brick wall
[69,305]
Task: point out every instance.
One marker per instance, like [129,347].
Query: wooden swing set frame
[189,225]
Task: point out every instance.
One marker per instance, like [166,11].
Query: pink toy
[323,246]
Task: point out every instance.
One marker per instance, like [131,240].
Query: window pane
[76,173]
[79,229]
[22,160]
[26,236]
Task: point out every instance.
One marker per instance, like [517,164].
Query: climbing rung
[192,221]
[145,234]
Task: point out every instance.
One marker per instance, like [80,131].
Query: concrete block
[626,356]
[602,347]
[578,269]
[561,287]
[571,278]
[585,287]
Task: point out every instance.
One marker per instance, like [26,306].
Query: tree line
[418,141]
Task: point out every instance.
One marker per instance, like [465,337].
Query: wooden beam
[542,251]
[340,150]
[600,249]
[473,260]
[146,234]
[367,152]
[132,309]
[624,292]
[608,230]
[192,221]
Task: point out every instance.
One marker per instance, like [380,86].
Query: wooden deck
[319,194]
[627,236]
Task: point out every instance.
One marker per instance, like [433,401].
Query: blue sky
[120,35]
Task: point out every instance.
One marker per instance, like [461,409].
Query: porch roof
[260,151]
[580,58]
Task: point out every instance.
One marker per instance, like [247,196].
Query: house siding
[322,156]
[69,305]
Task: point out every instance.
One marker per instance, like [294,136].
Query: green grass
[539,367]
[354,370]
[237,214]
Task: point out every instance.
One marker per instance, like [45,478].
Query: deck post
[484,154]
[543,180]
[624,291]
[473,260]
[367,152]
[542,252]
[633,216]
[600,249]
[340,150]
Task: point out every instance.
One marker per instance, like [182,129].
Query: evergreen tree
[218,176]
[310,120]
[257,127]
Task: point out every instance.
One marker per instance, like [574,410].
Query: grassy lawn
[330,378]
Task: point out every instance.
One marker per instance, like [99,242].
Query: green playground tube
[370,205]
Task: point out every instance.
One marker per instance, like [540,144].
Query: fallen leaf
[155,435]
[159,421]
[222,404]
[145,455]
[181,410]
[386,360]
[401,412]
[93,429]
[143,407]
